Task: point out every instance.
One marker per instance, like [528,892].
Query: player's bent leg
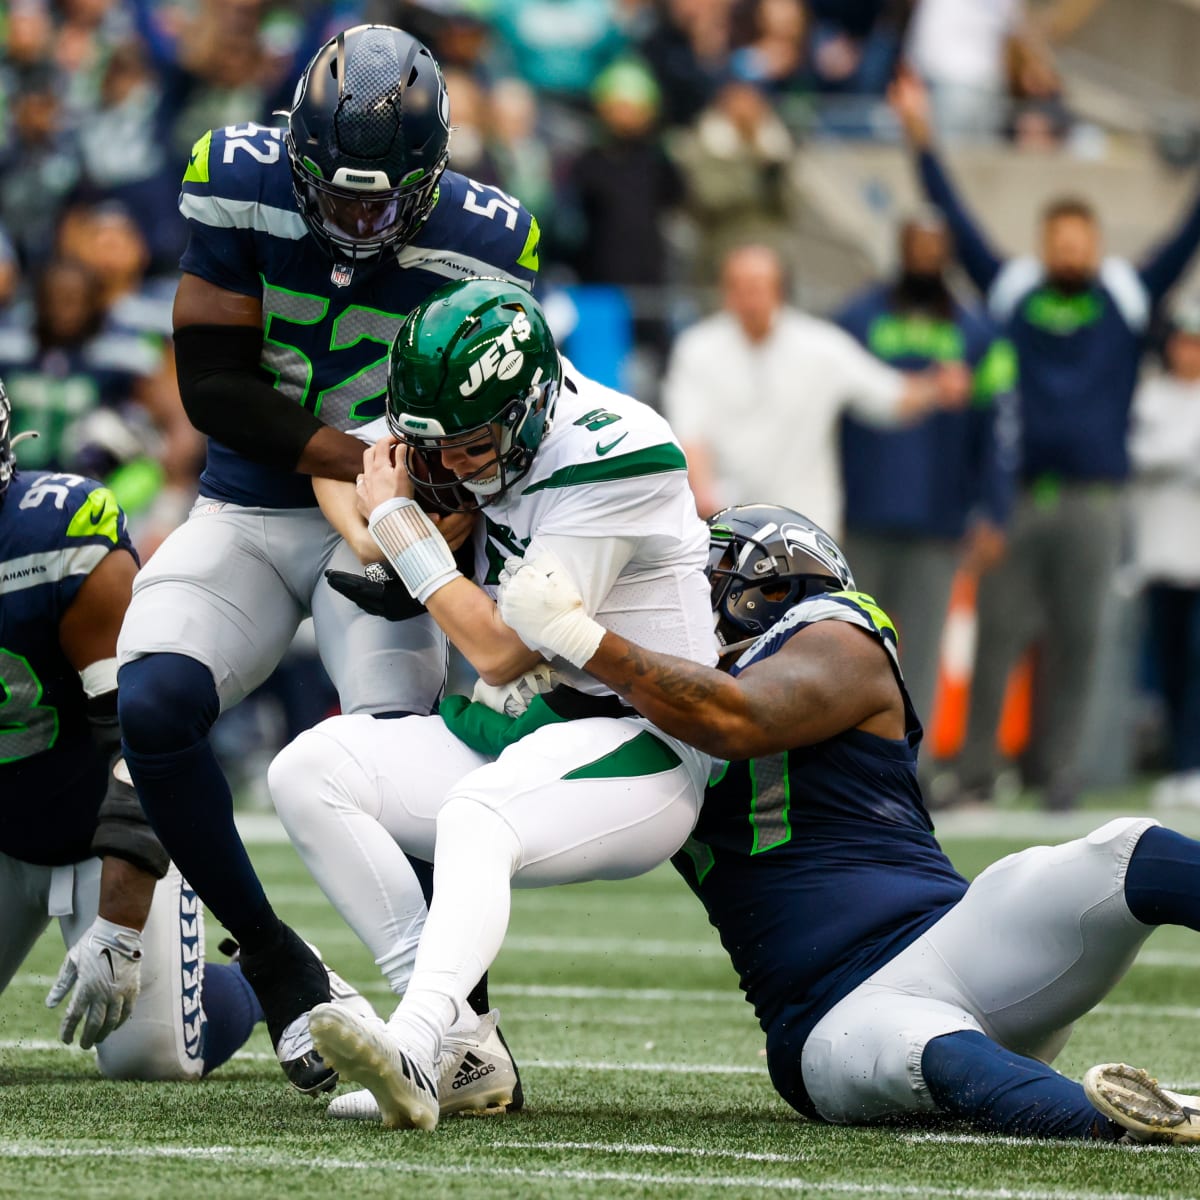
[354,794]
[1162,884]
[1042,936]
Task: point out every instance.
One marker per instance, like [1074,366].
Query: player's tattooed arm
[827,679]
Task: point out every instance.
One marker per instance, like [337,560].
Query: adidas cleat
[1134,1100]
[289,979]
[476,1077]
[368,1053]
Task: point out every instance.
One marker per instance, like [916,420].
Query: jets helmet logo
[502,359]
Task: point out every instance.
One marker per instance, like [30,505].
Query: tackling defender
[74,843]
[885,984]
[307,247]
[493,420]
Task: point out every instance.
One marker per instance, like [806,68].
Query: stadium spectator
[913,495]
[39,165]
[624,183]
[469,104]
[735,162]
[125,151]
[1165,449]
[687,48]
[1077,321]
[10,274]
[523,162]
[760,387]
[773,56]
[964,50]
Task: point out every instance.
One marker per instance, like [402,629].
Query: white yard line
[986,1139]
[257,1158]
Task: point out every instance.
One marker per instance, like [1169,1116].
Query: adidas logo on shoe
[472,1070]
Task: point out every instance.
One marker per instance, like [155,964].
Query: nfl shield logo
[341,274]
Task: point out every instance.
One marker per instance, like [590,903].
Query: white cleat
[366,1052]
[1134,1100]
[476,1077]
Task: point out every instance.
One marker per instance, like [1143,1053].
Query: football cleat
[289,979]
[367,1052]
[1147,1111]
[476,1077]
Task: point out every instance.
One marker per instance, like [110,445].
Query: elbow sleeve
[227,398]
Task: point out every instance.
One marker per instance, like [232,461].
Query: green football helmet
[474,372]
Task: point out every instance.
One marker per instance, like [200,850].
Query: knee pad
[166,702]
[297,773]
[474,829]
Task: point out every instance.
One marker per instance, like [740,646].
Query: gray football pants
[1052,584]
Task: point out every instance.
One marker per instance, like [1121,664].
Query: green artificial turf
[643,1073]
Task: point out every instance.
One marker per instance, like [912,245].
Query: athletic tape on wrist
[414,546]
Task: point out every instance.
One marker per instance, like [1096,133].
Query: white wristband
[572,635]
[414,546]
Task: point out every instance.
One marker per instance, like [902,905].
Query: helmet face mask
[472,385]
[763,560]
[8,462]
[368,136]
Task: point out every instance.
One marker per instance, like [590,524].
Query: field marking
[1029,1143]
[652,1149]
[258,1158]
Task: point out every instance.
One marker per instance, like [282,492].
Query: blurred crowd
[656,142]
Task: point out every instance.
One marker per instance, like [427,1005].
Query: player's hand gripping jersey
[54,531]
[327,325]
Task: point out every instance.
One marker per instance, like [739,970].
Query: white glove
[539,600]
[105,968]
[512,699]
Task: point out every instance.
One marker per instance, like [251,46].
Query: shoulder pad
[238,177]
[477,229]
[72,509]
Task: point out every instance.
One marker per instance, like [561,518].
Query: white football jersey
[608,493]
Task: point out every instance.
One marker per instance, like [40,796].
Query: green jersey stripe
[653,460]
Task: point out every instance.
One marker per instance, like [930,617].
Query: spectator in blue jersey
[307,246]
[1077,321]
[917,498]
[74,843]
[887,987]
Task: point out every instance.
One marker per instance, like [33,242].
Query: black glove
[378,591]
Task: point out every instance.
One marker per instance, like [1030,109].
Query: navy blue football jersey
[818,865]
[54,531]
[327,327]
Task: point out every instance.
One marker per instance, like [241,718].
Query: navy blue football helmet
[368,138]
[763,559]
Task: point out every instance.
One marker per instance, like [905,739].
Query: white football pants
[162,1040]
[602,798]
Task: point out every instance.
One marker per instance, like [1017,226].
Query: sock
[1162,882]
[476,854]
[971,1077]
[167,704]
[231,1010]
[190,806]
[477,997]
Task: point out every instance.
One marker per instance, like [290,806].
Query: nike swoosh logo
[603,450]
[97,517]
[106,954]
